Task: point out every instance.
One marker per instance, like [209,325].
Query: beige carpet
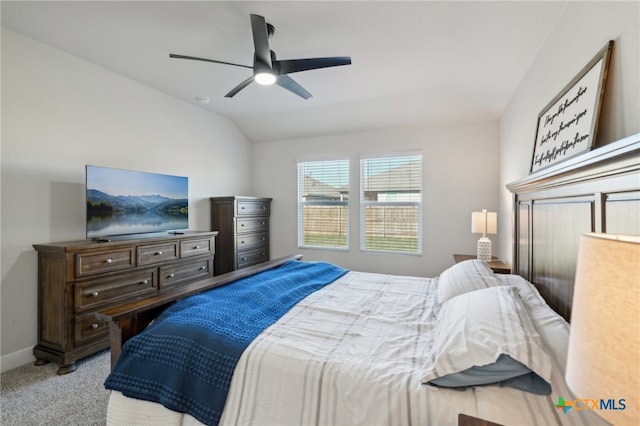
[31,395]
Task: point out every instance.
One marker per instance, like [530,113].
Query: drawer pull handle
[108,261]
[264,238]
[171,275]
[242,224]
[94,326]
[196,247]
[158,253]
[264,207]
[144,282]
[244,258]
[202,268]
[242,208]
[263,223]
[95,294]
[242,242]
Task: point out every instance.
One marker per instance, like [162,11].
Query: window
[323,204]
[391,204]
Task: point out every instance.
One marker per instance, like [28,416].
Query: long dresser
[78,278]
[243,226]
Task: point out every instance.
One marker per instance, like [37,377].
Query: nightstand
[466,420]
[497,265]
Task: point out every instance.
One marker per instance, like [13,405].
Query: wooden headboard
[598,191]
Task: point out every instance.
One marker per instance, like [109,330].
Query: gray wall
[459,176]
[60,113]
[579,34]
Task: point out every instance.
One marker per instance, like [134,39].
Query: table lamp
[603,363]
[484,223]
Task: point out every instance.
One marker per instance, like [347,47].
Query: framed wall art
[567,126]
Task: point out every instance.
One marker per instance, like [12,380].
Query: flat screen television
[125,202]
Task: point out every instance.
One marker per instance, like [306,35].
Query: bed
[357,350]
[374,349]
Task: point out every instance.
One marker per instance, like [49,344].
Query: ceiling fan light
[265,78]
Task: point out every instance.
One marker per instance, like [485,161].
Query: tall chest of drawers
[243,226]
[76,279]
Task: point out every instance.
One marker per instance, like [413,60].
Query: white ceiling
[413,62]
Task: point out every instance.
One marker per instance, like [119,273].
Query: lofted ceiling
[414,62]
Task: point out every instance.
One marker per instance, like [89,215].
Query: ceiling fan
[267,69]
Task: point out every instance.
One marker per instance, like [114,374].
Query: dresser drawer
[77,279]
[252,241]
[157,253]
[184,272]
[103,291]
[88,327]
[196,247]
[252,208]
[252,225]
[251,257]
[97,263]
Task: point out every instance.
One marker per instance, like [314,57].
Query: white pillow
[553,329]
[481,328]
[464,277]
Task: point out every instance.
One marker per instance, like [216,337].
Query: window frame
[364,204]
[301,204]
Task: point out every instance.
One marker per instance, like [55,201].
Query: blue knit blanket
[185,359]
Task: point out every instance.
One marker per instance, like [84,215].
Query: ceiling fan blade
[239,87]
[261,40]
[172,55]
[291,85]
[297,65]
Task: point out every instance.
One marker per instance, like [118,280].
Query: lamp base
[484,249]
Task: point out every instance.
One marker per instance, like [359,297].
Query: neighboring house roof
[405,178]
[314,188]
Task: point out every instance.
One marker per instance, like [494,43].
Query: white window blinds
[391,204]
[323,204]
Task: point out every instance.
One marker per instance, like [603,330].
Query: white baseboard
[16,359]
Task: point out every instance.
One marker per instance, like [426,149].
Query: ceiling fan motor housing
[267,69]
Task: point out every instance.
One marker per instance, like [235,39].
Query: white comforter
[353,353]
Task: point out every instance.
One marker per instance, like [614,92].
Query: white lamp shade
[477,223]
[492,222]
[604,345]
[484,222]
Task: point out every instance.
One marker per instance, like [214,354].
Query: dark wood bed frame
[598,191]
